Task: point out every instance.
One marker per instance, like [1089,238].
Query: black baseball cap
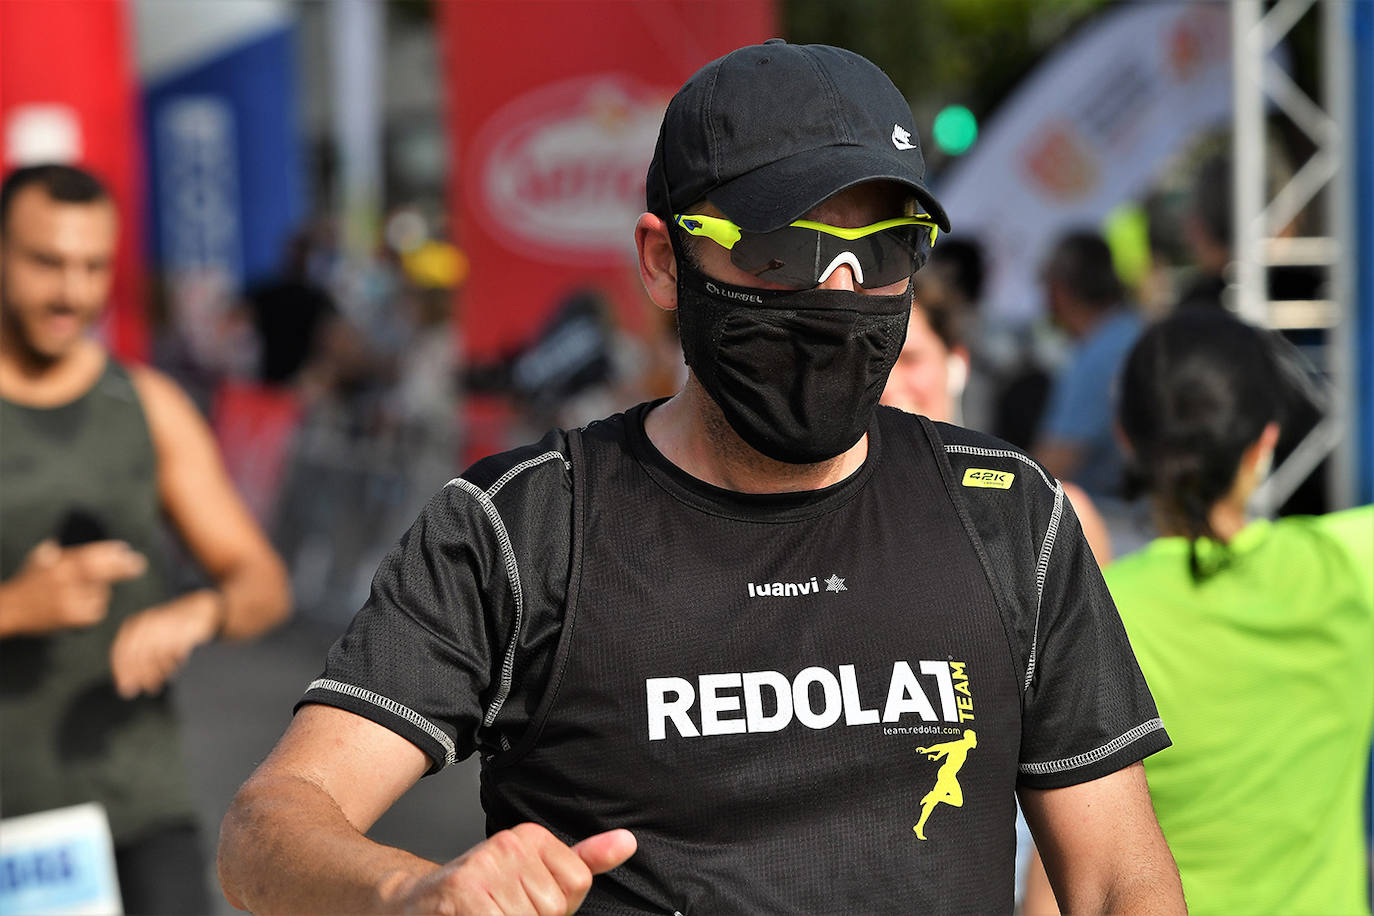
[769,131]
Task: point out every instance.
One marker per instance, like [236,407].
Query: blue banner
[227,185]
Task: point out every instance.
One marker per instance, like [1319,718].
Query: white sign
[42,133]
[59,861]
[1089,130]
[561,169]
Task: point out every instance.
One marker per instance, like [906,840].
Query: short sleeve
[1087,709]
[418,657]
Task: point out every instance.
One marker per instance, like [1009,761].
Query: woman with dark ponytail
[1200,407]
[1256,637]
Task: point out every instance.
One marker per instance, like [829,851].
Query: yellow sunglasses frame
[725,233]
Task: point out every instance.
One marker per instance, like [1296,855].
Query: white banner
[1090,129]
[58,862]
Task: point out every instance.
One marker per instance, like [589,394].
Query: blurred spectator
[1008,382]
[570,359]
[1075,441]
[382,403]
[199,338]
[291,314]
[427,395]
[1254,636]
[957,265]
[581,364]
[929,375]
[1023,386]
[932,369]
[94,454]
[954,276]
[1208,232]
[1207,229]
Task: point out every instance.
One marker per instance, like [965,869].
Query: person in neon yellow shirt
[1256,637]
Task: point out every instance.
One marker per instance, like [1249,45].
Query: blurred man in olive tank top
[94,455]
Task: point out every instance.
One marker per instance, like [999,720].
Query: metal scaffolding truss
[1261,221]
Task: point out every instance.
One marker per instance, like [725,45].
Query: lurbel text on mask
[732,293]
[748,702]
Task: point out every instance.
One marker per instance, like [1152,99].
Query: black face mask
[797,373]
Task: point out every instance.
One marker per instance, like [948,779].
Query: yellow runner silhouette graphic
[947,788]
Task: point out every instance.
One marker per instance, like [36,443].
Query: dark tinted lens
[889,256]
[794,257]
[786,256]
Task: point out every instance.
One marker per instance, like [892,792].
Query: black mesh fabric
[818,815]
[1087,709]
[898,609]
[435,635]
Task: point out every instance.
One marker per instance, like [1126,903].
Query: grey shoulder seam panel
[484,499]
[391,706]
[1042,567]
[521,468]
[999,453]
[513,576]
[1046,547]
[1089,757]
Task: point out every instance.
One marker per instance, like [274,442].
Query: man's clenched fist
[524,870]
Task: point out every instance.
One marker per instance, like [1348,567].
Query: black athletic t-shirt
[803,702]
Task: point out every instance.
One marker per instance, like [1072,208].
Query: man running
[685,640]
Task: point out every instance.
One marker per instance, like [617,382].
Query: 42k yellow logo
[987,479]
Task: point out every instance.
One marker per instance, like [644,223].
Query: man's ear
[657,263]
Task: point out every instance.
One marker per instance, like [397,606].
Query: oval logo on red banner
[558,173]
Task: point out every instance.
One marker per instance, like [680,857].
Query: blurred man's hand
[63,587]
[152,644]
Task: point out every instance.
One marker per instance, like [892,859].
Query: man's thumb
[110,561]
[605,851]
[45,553]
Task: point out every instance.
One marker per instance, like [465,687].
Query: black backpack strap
[1012,527]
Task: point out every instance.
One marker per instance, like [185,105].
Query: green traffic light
[955,129]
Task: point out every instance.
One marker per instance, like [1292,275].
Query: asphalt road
[236,700]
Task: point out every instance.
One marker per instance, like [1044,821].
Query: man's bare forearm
[1147,885]
[286,847]
[1156,891]
[1102,847]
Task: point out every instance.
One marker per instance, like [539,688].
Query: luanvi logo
[901,138]
[795,589]
[783,589]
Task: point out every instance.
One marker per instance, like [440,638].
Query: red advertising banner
[554,111]
[67,94]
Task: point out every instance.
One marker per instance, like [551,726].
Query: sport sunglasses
[803,254]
